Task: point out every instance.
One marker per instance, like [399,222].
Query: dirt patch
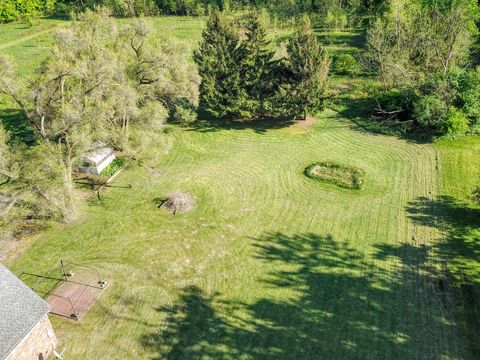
[179,202]
[302,124]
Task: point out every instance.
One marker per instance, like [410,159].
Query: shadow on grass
[459,224]
[344,39]
[320,299]
[208,123]
[15,123]
[459,254]
[192,328]
[360,114]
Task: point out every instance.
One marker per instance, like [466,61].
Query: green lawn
[272,264]
[458,221]
[27,45]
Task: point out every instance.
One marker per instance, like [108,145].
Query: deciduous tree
[77,97]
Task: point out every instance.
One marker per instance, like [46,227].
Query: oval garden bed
[344,176]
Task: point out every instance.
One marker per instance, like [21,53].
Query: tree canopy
[242,78]
[76,98]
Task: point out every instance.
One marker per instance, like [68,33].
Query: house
[25,330]
[95,161]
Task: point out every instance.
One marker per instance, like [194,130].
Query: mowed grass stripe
[270,264]
[262,173]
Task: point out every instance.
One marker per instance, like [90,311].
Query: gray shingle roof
[20,310]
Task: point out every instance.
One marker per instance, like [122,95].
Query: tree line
[331,13]
[14,10]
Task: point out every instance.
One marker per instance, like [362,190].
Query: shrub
[344,176]
[119,8]
[336,19]
[115,166]
[183,114]
[465,86]
[456,123]
[345,64]
[27,10]
[400,100]
[476,195]
[8,11]
[61,10]
[430,111]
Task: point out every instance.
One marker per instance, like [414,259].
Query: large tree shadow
[320,299]
[17,126]
[192,328]
[458,255]
[342,38]
[348,306]
[459,224]
[207,123]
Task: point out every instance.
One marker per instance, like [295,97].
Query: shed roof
[98,155]
[20,310]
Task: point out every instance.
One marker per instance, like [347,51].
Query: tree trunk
[62,90]
[70,211]
[305,113]
[125,124]
[42,127]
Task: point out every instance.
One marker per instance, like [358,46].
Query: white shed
[95,161]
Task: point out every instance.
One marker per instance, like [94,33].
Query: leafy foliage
[465,87]
[12,10]
[476,195]
[345,64]
[420,46]
[114,167]
[76,98]
[430,110]
[8,11]
[455,124]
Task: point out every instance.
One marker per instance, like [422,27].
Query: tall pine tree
[219,60]
[257,69]
[307,72]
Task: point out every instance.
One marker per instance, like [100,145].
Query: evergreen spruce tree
[307,72]
[257,69]
[219,60]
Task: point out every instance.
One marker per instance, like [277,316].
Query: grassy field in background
[28,46]
[272,264]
